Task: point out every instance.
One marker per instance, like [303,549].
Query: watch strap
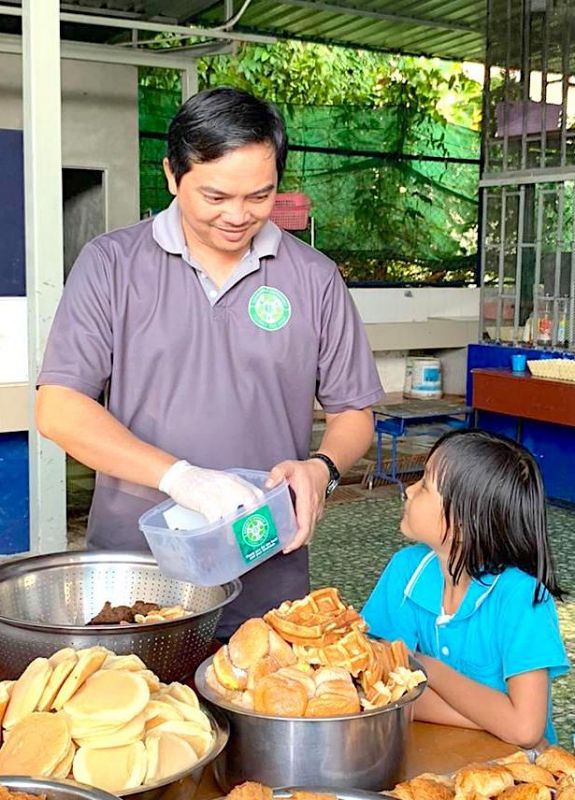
[334,474]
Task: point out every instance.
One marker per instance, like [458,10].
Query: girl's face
[423,519]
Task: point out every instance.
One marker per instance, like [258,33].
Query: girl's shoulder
[519,585]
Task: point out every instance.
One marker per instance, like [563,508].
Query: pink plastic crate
[291,211]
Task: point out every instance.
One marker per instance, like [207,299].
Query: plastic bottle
[562,322]
[545,322]
[528,330]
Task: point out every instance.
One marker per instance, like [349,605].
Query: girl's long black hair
[494,506]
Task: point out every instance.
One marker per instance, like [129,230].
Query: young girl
[474,598]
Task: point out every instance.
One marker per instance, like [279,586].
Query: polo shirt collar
[425,588]
[168,233]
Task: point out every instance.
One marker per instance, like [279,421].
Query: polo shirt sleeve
[347,377]
[388,612]
[78,353]
[530,636]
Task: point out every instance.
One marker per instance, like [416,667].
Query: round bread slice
[199,738]
[157,711]
[5,692]
[183,693]
[27,691]
[89,660]
[60,671]
[188,713]
[114,769]
[109,697]
[168,754]
[36,745]
[130,662]
[151,679]
[62,655]
[132,731]
[62,769]
[80,729]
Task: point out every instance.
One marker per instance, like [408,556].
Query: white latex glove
[211,492]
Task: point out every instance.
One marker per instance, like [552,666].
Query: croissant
[250,791]
[557,761]
[422,788]
[526,791]
[483,779]
[530,773]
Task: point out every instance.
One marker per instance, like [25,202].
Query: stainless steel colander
[45,602]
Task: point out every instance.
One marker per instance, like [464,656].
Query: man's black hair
[214,122]
[494,507]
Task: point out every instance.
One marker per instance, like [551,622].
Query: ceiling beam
[153,27]
[110,54]
[355,11]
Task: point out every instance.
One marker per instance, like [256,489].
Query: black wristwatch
[334,476]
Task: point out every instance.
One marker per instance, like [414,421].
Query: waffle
[319,619]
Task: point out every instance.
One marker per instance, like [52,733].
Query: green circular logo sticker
[255,530]
[269,308]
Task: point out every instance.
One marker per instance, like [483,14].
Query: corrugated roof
[445,28]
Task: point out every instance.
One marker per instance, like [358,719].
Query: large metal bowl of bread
[311,700]
[46,601]
[106,721]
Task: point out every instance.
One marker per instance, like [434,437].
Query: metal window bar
[571,336]
[559,245]
[519,263]
[544,64]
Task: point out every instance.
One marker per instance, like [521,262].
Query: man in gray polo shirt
[212,331]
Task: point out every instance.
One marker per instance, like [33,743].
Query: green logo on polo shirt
[256,534]
[269,308]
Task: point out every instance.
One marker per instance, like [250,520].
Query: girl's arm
[518,717]
[430,707]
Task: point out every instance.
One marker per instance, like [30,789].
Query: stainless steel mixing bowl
[45,602]
[361,751]
[52,789]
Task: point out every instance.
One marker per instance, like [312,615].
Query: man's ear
[172,185]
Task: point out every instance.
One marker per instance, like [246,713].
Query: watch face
[331,487]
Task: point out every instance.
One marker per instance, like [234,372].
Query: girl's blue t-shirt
[495,634]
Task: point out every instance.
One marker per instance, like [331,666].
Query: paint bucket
[423,378]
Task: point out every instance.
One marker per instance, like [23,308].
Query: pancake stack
[100,719]
[310,658]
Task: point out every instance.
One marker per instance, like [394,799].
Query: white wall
[99,125]
[425,313]
[416,305]
[99,131]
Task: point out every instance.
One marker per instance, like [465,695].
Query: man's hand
[308,480]
[213,493]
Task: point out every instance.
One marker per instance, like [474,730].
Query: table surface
[430,748]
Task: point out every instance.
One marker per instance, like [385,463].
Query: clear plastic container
[218,552]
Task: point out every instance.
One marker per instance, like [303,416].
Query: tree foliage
[396,209]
